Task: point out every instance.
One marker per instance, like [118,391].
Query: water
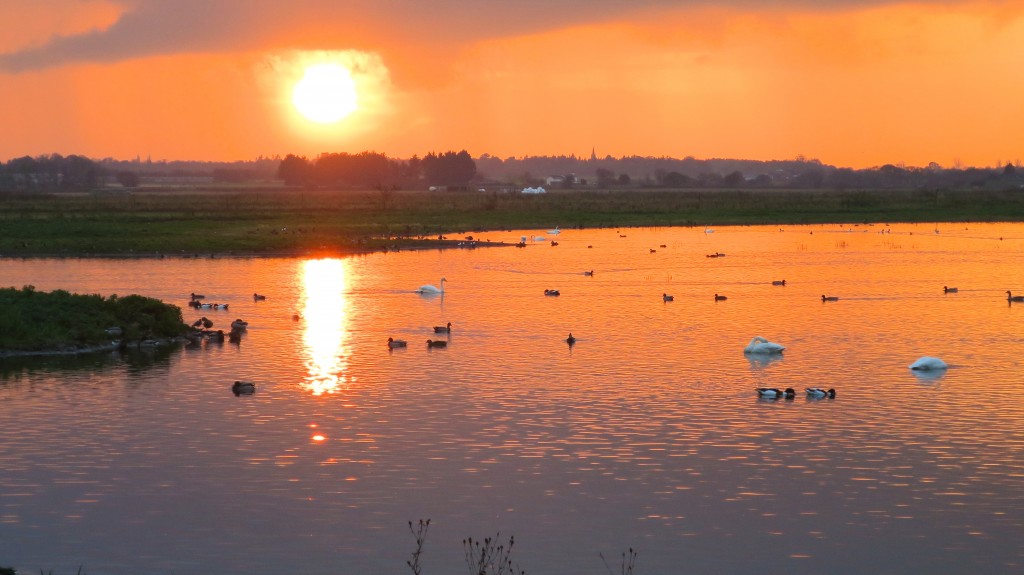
[646,434]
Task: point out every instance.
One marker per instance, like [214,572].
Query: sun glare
[326,93]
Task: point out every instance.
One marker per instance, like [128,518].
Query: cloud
[157,27]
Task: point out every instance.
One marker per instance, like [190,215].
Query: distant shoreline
[257,223]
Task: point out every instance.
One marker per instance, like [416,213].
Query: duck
[258,297]
[590,273]
[393,343]
[443,328]
[666,297]
[432,343]
[720,297]
[1011,297]
[819,393]
[570,340]
[220,306]
[552,292]
[779,282]
[239,325]
[761,345]
[204,306]
[829,298]
[775,393]
[196,296]
[928,363]
[947,289]
[243,388]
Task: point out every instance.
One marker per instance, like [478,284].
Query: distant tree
[1009,170]
[605,177]
[733,179]
[127,179]
[294,170]
[449,169]
[676,180]
[623,179]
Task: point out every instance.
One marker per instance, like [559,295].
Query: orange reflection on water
[325,314]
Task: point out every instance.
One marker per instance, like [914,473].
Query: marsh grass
[38,321]
[281,222]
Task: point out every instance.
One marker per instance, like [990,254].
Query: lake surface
[646,434]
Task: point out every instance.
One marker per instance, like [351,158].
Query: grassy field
[262,222]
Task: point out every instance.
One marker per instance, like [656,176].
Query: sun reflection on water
[325,314]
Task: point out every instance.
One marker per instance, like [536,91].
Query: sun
[326,93]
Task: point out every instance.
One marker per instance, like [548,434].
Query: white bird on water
[928,363]
[432,289]
[762,345]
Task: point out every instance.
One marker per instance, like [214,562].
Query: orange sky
[855,83]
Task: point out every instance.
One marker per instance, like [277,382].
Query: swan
[570,340]
[818,393]
[432,289]
[762,345]
[829,298]
[666,297]
[393,343]
[927,363]
[243,388]
[1011,297]
[946,289]
[720,297]
[775,393]
[555,231]
[443,328]
[432,343]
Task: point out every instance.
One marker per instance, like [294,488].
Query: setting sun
[325,94]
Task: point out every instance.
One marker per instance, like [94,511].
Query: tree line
[459,170]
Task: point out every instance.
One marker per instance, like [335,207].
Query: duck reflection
[325,330]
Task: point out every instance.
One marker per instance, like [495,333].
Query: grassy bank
[300,222]
[33,321]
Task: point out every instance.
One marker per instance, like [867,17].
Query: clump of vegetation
[59,320]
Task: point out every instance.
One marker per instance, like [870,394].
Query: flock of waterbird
[757,346]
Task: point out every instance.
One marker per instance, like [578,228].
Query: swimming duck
[570,340]
[818,393]
[393,343]
[239,325]
[258,297]
[720,297]
[432,343]
[946,289]
[775,393]
[666,297]
[220,306]
[1011,297]
[829,298]
[443,328]
[243,388]
[779,282]
[551,292]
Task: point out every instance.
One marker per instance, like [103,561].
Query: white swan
[762,345]
[928,363]
[432,289]
[555,231]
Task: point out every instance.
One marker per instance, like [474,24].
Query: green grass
[258,221]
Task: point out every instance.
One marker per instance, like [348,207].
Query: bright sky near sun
[856,83]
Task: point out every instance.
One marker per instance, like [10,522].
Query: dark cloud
[155,27]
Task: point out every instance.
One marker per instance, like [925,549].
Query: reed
[301,222]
